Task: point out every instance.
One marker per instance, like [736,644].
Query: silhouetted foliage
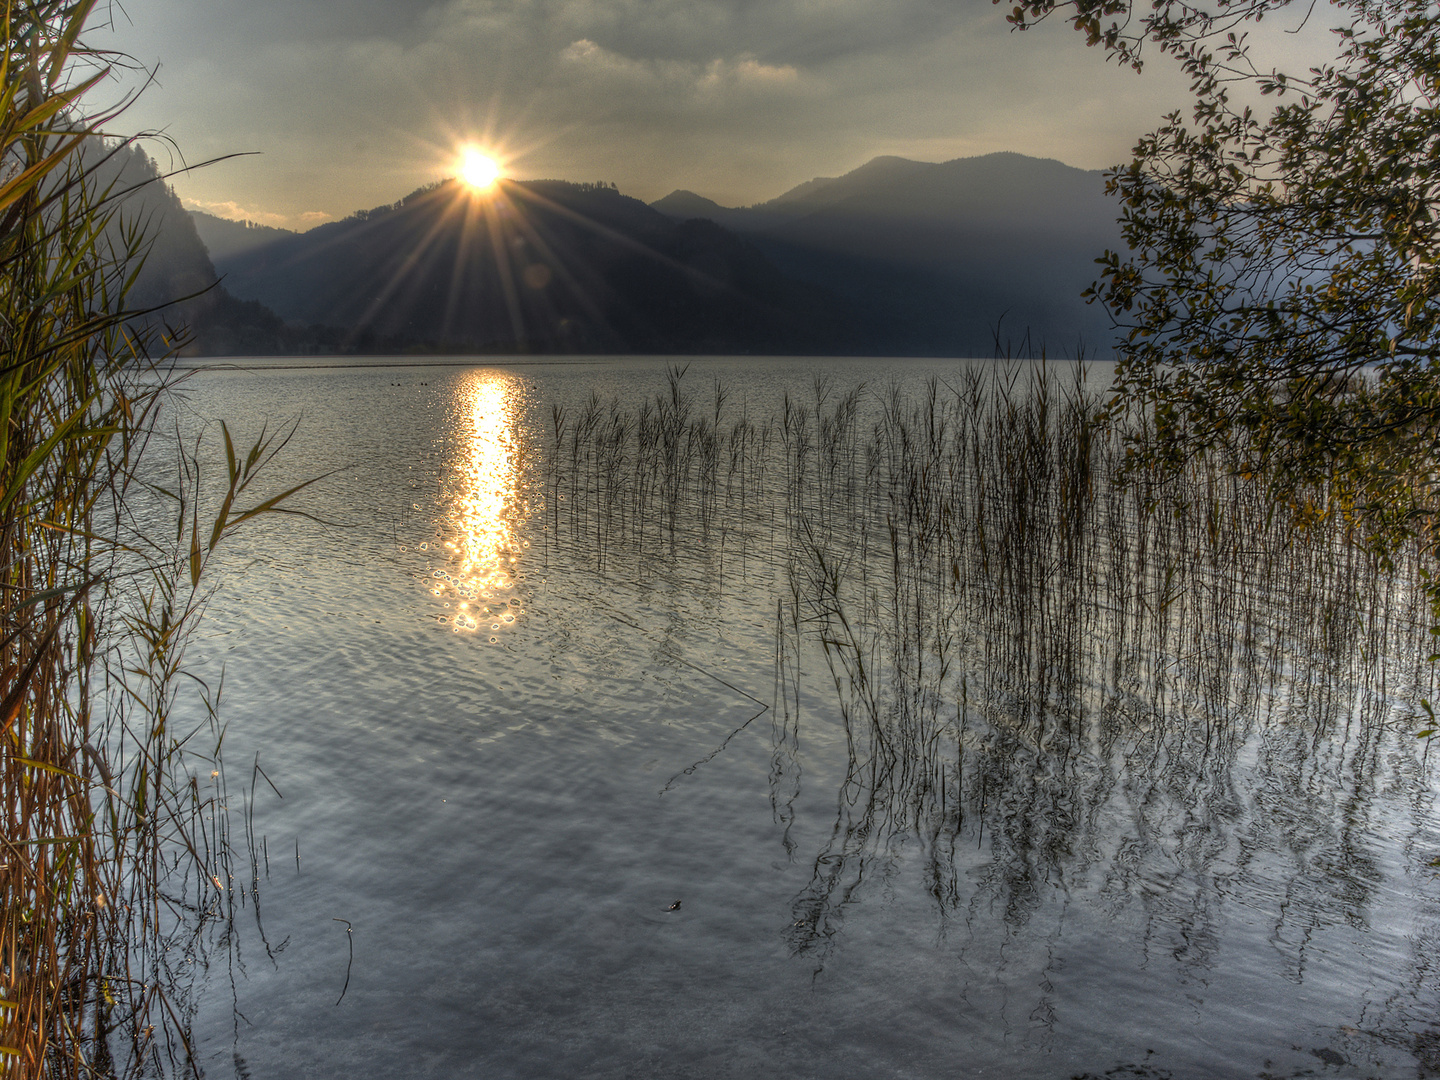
[1280,297]
[1124,28]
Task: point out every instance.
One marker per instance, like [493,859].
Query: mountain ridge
[224,237]
[896,257]
[950,251]
[540,266]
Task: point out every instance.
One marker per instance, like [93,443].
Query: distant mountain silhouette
[176,287]
[876,177]
[175,264]
[798,202]
[897,257]
[936,258]
[683,204]
[223,238]
[542,266]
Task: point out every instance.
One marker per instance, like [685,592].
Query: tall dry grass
[113,848]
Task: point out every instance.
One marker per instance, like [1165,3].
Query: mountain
[876,176]
[943,258]
[176,289]
[541,266]
[223,238]
[175,263]
[897,257]
[798,202]
[682,205]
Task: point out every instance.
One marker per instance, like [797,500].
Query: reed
[114,851]
[1032,626]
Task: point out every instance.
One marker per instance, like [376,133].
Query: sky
[349,104]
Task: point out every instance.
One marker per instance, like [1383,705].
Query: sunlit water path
[518,706]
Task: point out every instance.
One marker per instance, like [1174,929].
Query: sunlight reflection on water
[486,509]
[1077,877]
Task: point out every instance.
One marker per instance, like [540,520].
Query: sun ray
[578,289]
[467,273]
[505,270]
[398,277]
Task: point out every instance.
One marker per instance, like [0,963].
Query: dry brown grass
[113,849]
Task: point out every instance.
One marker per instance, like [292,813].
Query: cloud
[587,54]
[717,75]
[748,69]
[233,211]
[353,103]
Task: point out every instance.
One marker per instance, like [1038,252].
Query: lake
[822,738]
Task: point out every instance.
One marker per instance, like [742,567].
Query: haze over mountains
[897,257]
[177,283]
[541,267]
[939,257]
[223,238]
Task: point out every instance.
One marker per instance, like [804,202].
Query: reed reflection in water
[486,509]
[1154,695]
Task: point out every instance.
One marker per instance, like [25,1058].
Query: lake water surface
[511,733]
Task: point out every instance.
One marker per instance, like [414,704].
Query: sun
[478,169]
